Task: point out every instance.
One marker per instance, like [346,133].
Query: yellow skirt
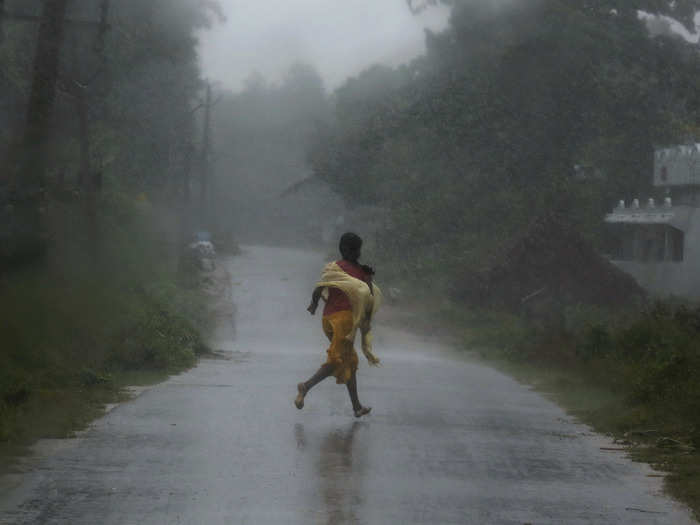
[341,353]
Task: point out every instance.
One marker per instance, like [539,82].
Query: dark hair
[351,242]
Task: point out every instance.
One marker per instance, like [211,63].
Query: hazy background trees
[101,134]
[113,113]
[115,149]
[517,109]
[261,135]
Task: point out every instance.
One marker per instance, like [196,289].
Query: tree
[28,172]
[260,139]
[43,91]
[683,11]
[109,98]
[470,142]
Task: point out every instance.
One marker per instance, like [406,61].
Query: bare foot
[363,411]
[299,401]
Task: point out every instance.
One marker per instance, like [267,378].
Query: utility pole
[185,212]
[206,161]
[189,159]
[186,172]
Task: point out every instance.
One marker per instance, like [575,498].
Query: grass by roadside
[60,413]
[632,375]
[79,326]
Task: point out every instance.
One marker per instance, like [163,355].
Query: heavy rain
[369,262]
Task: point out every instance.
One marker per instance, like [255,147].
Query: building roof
[676,216]
[677,166]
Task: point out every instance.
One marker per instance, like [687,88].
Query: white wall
[671,278]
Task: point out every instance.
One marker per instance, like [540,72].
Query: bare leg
[352,390]
[325,371]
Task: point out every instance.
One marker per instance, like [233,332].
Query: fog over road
[448,441]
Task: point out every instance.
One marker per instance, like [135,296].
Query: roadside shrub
[496,333]
[15,387]
[87,312]
[590,330]
[158,339]
[597,342]
[651,356]
[91,378]
[662,350]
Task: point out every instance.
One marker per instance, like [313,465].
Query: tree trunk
[83,140]
[43,93]
[2,19]
[28,175]
[103,26]
[89,181]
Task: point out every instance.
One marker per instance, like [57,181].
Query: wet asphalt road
[448,441]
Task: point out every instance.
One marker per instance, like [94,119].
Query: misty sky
[338,37]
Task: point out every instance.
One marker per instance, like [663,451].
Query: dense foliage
[521,112]
[121,113]
[648,358]
[514,110]
[98,138]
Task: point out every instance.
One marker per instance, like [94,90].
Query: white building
[658,243]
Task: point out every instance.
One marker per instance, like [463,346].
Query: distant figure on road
[351,301]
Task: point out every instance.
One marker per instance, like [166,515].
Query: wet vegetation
[647,358]
[495,157]
[102,140]
[72,330]
[631,374]
[468,145]
[488,164]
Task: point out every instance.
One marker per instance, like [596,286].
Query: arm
[314,300]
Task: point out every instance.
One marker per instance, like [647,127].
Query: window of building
[648,243]
[676,239]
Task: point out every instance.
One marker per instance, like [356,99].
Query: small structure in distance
[658,243]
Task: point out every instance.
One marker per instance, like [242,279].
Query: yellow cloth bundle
[363,301]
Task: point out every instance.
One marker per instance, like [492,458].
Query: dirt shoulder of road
[50,416]
[577,391]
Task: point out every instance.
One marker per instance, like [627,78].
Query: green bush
[87,312]
[663,356]
[159,339]
[651,356]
